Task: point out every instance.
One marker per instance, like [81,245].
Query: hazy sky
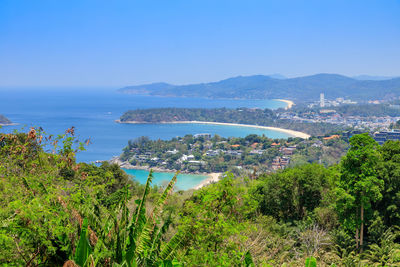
[116,43]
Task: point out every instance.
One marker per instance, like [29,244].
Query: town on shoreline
[213,155]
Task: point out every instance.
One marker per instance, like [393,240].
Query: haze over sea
[93,112]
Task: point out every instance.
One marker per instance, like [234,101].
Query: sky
[119,43]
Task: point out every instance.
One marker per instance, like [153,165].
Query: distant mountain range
[306,88]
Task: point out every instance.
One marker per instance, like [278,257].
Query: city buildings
[382,137]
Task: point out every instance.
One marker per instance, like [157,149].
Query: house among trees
[206,136]
[279,163]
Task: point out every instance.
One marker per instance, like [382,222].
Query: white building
[322,100]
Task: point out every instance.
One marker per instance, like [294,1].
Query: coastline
[287,131]
[211,177]
[288,102]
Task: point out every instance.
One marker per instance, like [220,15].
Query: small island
[247,117]
[4,120]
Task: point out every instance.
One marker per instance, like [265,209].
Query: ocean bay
[93,114]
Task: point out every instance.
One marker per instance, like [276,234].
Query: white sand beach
[288,102]
[212,178]
[290,132]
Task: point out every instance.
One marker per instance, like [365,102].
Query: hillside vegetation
[265,87]
[369,110]
[55,211]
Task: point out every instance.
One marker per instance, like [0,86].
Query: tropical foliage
[55,212]
[45,197]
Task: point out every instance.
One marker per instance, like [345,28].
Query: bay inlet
[184,181]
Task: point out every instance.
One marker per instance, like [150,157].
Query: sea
[93,111]
[184,181]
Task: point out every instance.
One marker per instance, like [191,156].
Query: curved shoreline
[288,102]
[212,178]
[287,131]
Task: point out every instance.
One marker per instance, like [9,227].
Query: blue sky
[117,43]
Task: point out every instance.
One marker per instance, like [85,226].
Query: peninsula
[243,117]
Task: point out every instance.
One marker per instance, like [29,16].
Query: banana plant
[83,250]
[134,240]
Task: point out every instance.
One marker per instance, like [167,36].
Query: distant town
[331,111]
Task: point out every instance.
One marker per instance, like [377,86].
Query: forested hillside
[265,87]
[55,211]
[369,110]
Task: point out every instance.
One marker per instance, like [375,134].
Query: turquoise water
[184,181]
